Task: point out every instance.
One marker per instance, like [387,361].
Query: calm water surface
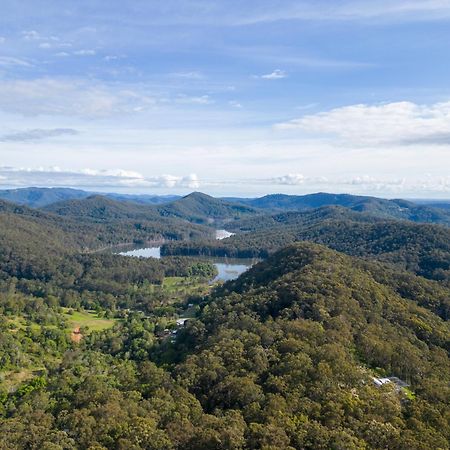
[227,268]
[147,252]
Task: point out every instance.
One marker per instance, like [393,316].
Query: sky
[226,97]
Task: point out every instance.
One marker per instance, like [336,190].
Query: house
[399,384]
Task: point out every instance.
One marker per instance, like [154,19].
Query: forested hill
[39,197]
[291,346]
[34,243]
[98,221]
[282,358]
[42,231]
[100,208]
[202,208]
[421,248]
[383,208]
[195,208]
[300,218]
[144,220]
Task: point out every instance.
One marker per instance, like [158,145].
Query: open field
[90,319]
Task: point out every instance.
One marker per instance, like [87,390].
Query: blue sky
[227,97]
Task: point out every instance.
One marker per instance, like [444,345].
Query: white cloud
[31,35]
[92,178]
[351,10]
[399,123]
[291,179]
[37,134]
[235,104]
[2,40]
[277,74]
[192,75]
[199,100]
[9,61]
[84,52]
[364,184]
[113,57]
[69,97]
[170,181]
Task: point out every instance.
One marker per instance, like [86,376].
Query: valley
[223,326]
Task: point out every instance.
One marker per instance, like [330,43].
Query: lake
[223,234]
[227,268]
[147,252]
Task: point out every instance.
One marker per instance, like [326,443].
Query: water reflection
[227,268]
[223,234]
[227,272]
[148,252]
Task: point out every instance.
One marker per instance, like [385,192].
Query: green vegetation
[202,208]
[101,351]
[283,357]
[185,286]
[420,248]
[39,197]
[88,320]
[377,207]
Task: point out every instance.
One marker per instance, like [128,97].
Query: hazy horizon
[106,191]
[228,98]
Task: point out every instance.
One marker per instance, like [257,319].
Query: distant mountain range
[40,197]
[204,209]
[379,207]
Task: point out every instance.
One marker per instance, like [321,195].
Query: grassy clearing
[90,319]
[10,380]
[20,323]
[408,393]
[185,286]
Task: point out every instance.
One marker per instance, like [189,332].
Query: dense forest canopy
[101,351]
[201,208]
[421,248]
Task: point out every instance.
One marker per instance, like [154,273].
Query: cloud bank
[91,178]
[401,123]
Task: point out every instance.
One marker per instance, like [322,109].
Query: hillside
[101,208]
[299,218]
[202,208]
[34,243]
[46,230]
[143,198]
[293,345]
[378,207]
[35,197]
[282,358]
[141,222]
[196,208]
[421,248]
[39,197]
